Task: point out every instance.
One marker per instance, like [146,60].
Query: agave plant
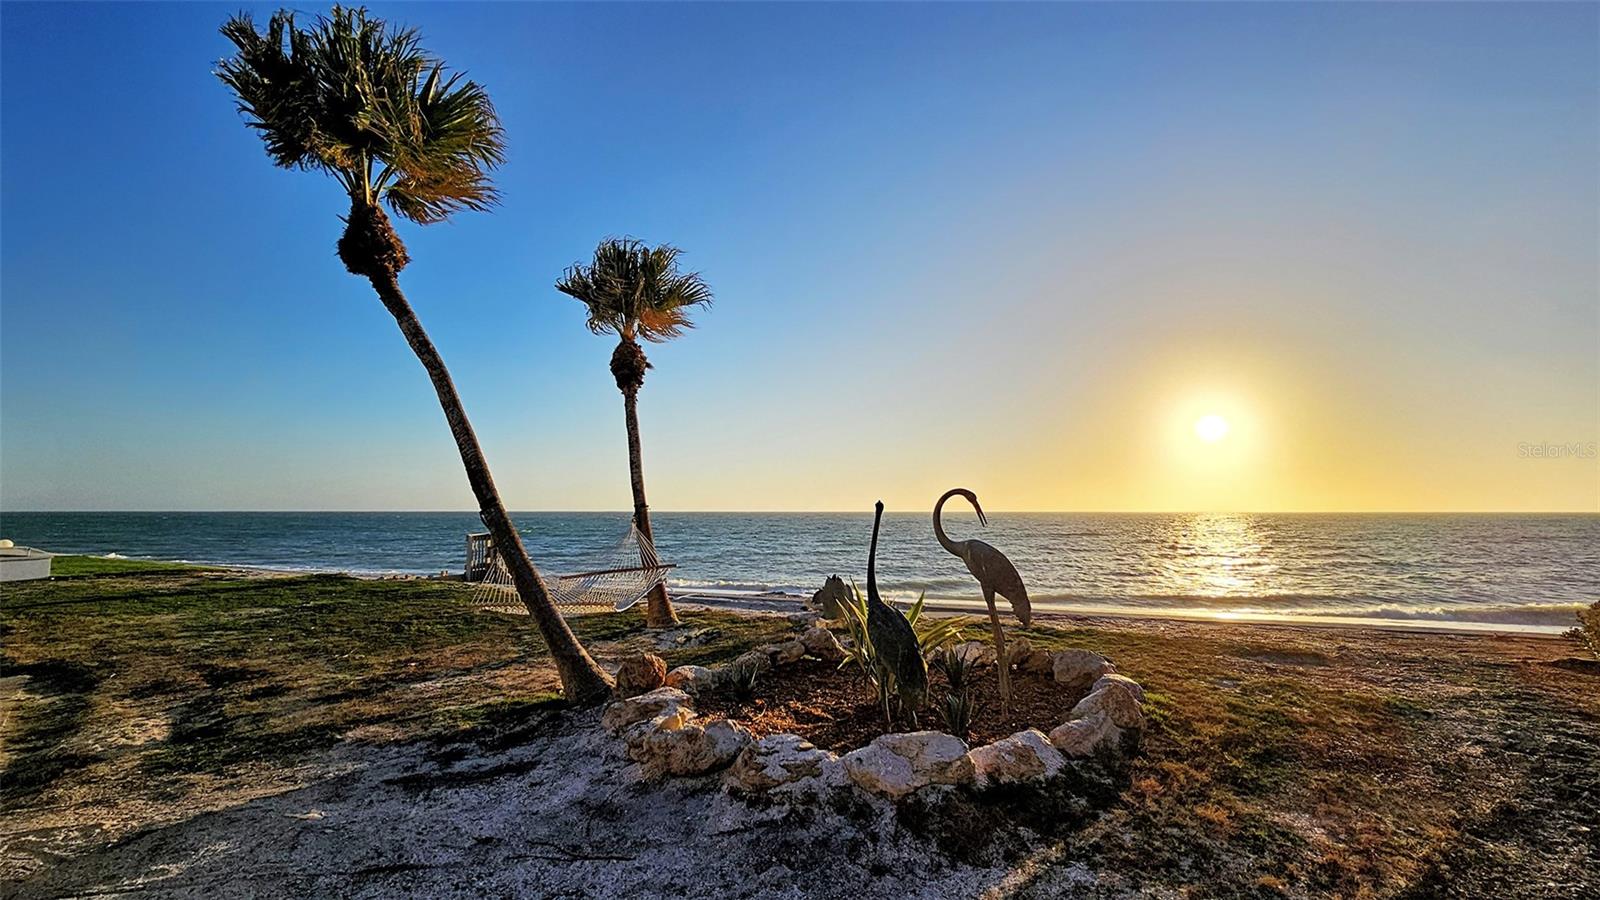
[958,708]
[958,668]
[934,634]
[959,672]
[742,681]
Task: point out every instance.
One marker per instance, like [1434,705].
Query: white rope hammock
[618,579]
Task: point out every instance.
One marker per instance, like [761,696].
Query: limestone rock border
[662,733]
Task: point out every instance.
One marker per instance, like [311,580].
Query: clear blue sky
[1001,245]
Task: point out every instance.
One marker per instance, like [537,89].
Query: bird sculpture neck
[938,525]
[872,557]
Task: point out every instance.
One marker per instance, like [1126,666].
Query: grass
[76,566]
[226,670]
[1273,762]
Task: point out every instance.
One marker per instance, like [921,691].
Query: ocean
[1530,571]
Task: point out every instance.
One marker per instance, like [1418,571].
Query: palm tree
[358,100]
[636,291]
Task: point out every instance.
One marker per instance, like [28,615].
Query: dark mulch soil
[837,709]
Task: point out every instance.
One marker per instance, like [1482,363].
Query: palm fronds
[362,101]
[636,291]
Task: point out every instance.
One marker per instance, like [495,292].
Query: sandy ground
[562,815]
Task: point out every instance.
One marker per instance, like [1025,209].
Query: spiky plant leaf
[934,633]
[958,709]
[958,668]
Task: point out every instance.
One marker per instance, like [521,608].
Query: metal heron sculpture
[995,574]
[900,663]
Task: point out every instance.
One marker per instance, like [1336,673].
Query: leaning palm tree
[636,291]
[358,100]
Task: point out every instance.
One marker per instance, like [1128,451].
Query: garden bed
[837,709]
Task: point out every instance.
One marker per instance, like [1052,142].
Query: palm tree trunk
[658,612]
[582,680]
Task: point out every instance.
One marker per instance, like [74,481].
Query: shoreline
[779,602]
[788,603]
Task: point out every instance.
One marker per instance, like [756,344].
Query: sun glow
[1211,428]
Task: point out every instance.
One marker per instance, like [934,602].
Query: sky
[1019,248]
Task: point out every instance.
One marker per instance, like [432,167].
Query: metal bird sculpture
[995,574]
[895,642]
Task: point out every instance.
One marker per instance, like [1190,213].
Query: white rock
[690,749]
[830,601]
[785,653]
[897,764]
[821,643]
[1078,669]
[977,653]
[880,771]
[1086,737]
[832,777]
[1132,686]
[1116,701]
[1023,756]
[1037,662]
[663,702]
[778,759]
[693,680]
[640,673]
[1018,648]
[1101,722]
[758,658]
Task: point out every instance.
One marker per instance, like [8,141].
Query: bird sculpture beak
[982,519]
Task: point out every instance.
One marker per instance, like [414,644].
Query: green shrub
[1588,630]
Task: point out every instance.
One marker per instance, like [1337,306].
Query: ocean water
[1506,569]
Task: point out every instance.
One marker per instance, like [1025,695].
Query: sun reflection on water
[1217,555]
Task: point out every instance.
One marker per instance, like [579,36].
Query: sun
[1211,428]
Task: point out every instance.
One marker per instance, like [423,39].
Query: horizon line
[826,512]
